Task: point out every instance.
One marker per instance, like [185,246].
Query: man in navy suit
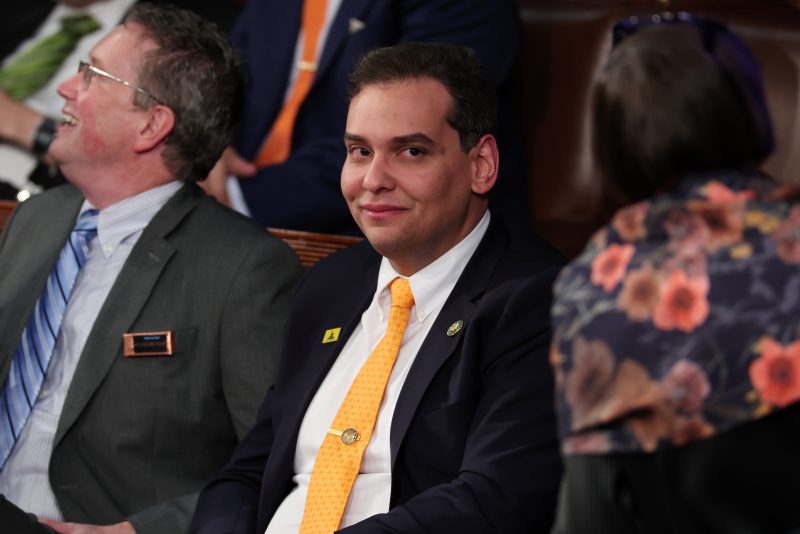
[465,436]
[303,192]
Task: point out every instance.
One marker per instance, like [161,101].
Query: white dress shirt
[370,495]
[17,164]
[24,478]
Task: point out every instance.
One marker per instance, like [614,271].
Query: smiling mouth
[68,120]
[380,208]
[381,214]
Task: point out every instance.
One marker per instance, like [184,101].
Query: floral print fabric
[681,318]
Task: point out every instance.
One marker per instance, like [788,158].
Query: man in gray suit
[166,343]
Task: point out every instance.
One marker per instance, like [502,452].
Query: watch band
[43,136]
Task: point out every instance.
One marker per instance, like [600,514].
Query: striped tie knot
[87,222]
[85,230]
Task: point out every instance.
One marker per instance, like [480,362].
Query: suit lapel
[438,346]
[50,238]
[319,364]
[348,20]
[124,303]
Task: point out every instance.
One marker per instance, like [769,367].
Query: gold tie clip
[349,435]
[309,66]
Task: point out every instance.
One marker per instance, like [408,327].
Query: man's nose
[378,175]
[68,89]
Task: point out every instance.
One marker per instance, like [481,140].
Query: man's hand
[230,163]
[78,528]
[19,122]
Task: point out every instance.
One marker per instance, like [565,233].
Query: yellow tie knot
[401,293]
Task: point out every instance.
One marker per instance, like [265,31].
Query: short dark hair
[474,112]
[195,71]
[674,100]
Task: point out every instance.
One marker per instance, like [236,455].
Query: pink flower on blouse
[639,293]
[718,192]
[629,221]
[609,266]
[776,374]
[683,303]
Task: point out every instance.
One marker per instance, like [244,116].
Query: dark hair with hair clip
[678,95]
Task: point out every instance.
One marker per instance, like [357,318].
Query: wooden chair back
[312,247]
[6,207]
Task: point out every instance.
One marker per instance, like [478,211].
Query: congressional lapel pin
[147,344]
[455,328]
[331,335]
[355,25]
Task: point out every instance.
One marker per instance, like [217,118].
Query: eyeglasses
[89,71]
[708,29]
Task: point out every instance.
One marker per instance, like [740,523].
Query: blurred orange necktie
[278,143]
[339,458]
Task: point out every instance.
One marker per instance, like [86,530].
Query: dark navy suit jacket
[303,193]
[473,438]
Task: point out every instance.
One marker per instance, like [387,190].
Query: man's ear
[486,164]
[159,122]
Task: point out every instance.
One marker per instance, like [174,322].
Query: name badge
[147,344]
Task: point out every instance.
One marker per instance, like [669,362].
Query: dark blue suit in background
[473,438]
[303,193]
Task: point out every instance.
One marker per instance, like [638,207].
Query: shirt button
[108,249]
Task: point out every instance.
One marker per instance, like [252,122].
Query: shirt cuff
[236,196]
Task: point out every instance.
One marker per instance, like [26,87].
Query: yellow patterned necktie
[339,458]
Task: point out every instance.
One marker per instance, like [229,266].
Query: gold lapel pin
[455,328]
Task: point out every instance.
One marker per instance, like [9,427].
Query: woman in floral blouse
[677,331]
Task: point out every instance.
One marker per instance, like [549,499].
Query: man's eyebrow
[96,62]
[413,139]
[353,138]
[400,140]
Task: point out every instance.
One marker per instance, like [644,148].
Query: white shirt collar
[432,285]
[129,216]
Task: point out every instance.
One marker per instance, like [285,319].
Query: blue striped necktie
[32,357]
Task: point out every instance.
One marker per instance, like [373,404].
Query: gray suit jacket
[138,437]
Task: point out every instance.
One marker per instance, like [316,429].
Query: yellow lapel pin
[331,335]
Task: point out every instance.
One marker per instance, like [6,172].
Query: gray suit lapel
[43,237]
[124,303]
